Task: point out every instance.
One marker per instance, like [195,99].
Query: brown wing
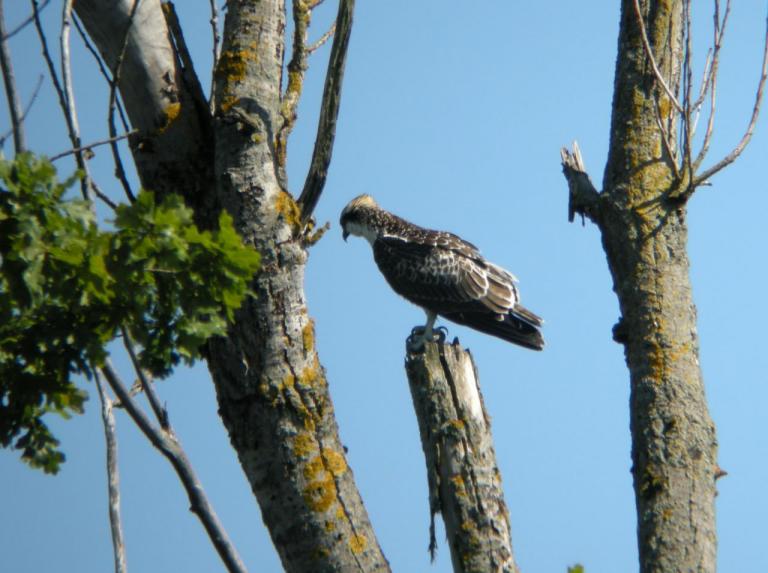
[444,274]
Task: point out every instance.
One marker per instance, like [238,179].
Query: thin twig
[216,49]
[652,60]
[687,87]
[146,384]
[170,447]
[101,195]
[719,30]
[63,99]
[667,141]
[69,98]
[119,168]
[26,22]
[329,112]
[102,67]
[32,99]
[706,77]
[322,40]
[733,155]
[9,80]
[113,476]
[92,145]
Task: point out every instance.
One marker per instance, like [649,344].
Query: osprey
[443,274]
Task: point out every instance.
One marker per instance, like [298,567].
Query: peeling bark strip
[644,234]
[464,480]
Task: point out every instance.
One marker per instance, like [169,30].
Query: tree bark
[644,235]
[273,394]
[173,149]
[272,391]
[463,477]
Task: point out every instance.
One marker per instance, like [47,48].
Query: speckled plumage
[443,274]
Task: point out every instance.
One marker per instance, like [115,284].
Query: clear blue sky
[452,117]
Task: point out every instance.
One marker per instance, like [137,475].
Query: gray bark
[644,234]
[272,391]
[463,477]
[173,149]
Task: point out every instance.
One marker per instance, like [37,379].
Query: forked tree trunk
[272,390]
[644,234]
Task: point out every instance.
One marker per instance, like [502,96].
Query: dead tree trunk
[644,234]
[464,480]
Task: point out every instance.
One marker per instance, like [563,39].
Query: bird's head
[358,218]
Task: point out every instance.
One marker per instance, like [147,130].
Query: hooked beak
[344,235]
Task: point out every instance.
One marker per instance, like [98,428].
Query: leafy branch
[67,289]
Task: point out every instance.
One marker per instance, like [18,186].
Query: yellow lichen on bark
[232,69]
[170,113]
[334,461]
[308,335]
[287,208]
[304,444]
[458,484]
[233,65]
[319,495]
[357,543]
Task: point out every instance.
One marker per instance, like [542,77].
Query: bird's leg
[421,334]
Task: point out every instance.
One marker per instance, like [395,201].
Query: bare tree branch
[170,447]
[687,133]
[32,99]
[64,99]
[216,35]
[9,80]
[668,147]
[329,111]
[322,39]
[718,31]
[301,13]
[737,151]
[102,67]
[113,476]
[652,60]
[583,197]
[91,145]
[187,65]
[69,99]
[26,22]
[146,384]
[118,160]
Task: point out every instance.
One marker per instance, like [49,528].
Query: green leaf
[67,287]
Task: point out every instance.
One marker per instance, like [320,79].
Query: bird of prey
[443,274]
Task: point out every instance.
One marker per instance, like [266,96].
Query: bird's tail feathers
[526,315]
[510,328]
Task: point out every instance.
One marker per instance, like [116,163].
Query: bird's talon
[417,331]
[415,343]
